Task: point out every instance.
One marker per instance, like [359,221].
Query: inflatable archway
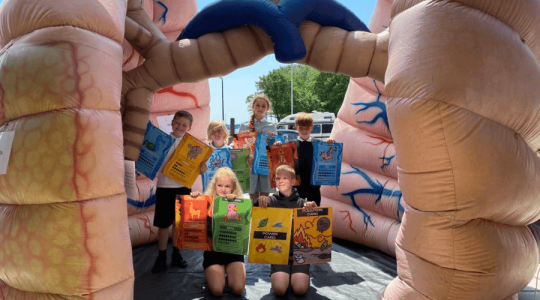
[462,109]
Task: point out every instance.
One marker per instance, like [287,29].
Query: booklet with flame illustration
[270,236]
[312,237]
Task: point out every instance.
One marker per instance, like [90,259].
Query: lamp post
[222,101]
[292,66]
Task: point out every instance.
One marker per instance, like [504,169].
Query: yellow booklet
[184,165]
[270,238]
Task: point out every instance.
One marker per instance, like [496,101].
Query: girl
[260,105]
[217,134]
[216,264]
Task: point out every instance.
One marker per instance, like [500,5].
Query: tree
[312,90]
[330,89]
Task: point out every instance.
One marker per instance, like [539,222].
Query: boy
[166,192]
[287,197]
[304,146]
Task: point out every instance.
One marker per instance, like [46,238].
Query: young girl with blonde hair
[217,264]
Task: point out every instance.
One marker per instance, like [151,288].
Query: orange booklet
[193,222]
[284,154]
[184,165]
[246,140]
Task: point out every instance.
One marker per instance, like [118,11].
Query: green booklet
[240,167]
[231,225]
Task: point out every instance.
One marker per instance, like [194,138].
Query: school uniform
[304,169]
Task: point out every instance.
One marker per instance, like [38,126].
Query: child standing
[304,146]
[259,184]
[166,192]
[282,276]
[217,264]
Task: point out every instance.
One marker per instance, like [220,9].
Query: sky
[238,85]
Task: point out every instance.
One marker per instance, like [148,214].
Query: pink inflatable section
[170,17]
[368,204]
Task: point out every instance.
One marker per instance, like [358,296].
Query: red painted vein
[348,215]
[181,94]
[130,57]
[381,140]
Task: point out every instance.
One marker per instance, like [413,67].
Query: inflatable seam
[309,50]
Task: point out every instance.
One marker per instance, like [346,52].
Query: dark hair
[184,114]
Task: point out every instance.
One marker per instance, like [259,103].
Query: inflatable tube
[279,21]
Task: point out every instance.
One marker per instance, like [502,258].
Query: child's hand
[203,167]
[310,204]
[277,143]
[231,196]
[195,194]
[330,141]
[263,201]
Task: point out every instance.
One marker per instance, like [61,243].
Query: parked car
[323,122]
[290,135]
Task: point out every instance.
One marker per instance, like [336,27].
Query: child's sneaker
[178,261]
[160,265]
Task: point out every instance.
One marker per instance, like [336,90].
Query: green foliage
[313,90]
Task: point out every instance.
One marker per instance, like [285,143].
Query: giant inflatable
[463,111]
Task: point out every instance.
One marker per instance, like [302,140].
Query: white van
[323,122]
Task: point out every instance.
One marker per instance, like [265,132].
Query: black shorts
[290,269]
[165,202]
[211,258]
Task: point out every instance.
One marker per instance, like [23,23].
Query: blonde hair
[287,169]
[217,124]
[253,101]
[303,119]
[224,172]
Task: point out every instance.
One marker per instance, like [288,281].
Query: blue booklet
[326,167]
[155,147]
[221,157]
[260,158]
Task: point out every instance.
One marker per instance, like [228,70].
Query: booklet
[230,224]
[284,154]
[246,140]
[184,165]
[156,145]
[270,236]
[240,167]
[260,160]
[192,226]
[312,237]
[326,167]
[221,157]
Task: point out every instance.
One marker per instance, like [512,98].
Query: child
[166,192]
[217,134]
[216,264]
[287,197]
[304,146]
[259,184]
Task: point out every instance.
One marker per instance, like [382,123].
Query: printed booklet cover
[312,237]
[230,225]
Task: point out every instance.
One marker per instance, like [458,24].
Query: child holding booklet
[217,264]
[166,192]
[282,276]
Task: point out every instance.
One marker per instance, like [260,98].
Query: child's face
[180,126]
[284,182]
[260,107]
[304,131]
[224,186]
[217,134]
